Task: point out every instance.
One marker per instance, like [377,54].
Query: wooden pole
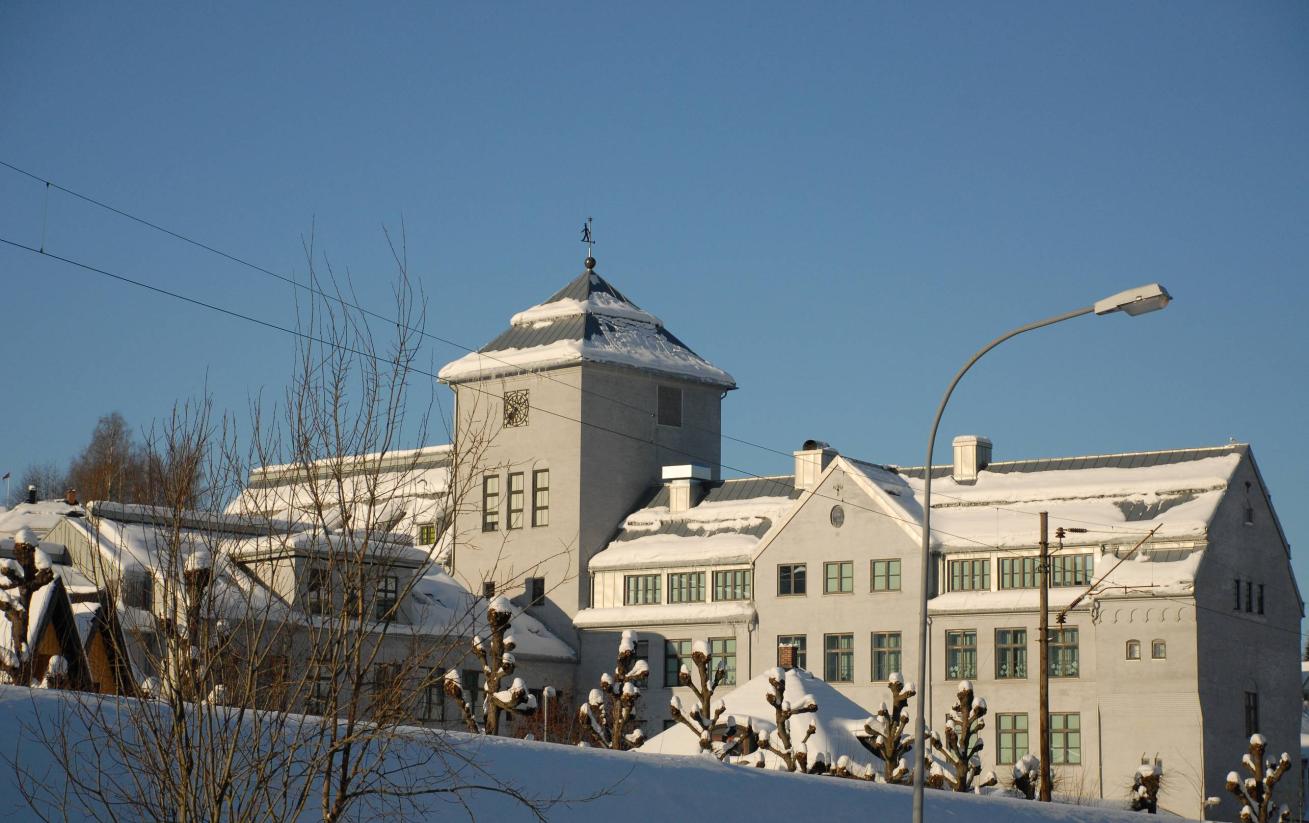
[1043,635]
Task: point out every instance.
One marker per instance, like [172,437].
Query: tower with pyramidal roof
[563,423]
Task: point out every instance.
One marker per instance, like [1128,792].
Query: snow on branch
[705,719]
[609,713]
[963,743]
[1145,785]
[1256,791]
[885,733]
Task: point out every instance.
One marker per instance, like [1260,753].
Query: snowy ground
[630,786]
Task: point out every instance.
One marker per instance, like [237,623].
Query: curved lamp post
[1140,300]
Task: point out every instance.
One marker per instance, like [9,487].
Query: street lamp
[1140,300]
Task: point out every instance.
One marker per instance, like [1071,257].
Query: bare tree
[885,733]
[963,741]
[1026,775]
[609,714]
[297,603]
[49,481]
[1255,792]
[498,664]
[20,578]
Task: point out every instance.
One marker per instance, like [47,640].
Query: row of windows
[318,593]
[1254,596]
[1158,650]
[491,500]
[685,587]
[1019,572]
[1010,653]
[838,577]
[1012,741]
[678,653]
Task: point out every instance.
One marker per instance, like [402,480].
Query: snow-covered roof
[385,491]
[1116,496]
[835,722]
[586,321]
[40,517]
[441,606]
[723,529]
[736,611]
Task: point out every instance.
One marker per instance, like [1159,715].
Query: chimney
[685,485]
[786,656]
[70,497]
[31,494]
[810,463]
[971,454]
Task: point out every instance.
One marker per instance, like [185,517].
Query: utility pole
[1043,638]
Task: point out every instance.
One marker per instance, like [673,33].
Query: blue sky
[837,204]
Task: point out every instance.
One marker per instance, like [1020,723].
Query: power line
[49,184]
[331,344]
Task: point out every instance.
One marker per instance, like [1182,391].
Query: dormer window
[388,595]
[670,406]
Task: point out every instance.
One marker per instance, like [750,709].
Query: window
[517,406]
[388,595]
[1251,713]
[1133,649]
[535,591]
[1019,572]
[1070,570]
[886,655]
[643,651]
[838,578]
[541,497]
[885,575]
[961,654]
[732,585]
[490,503]
[426,534]
[1010,738]
[1158,650]
[318,590]
[1063,652]
[516,495]
[791,579]
[675,653]
[970,575]
[1010,654]
[838,663]
[724,649]
[837,516]
[1261,599]
[1237,584]
[640,589]
[320,690]
[1249,596]
[686,587]
[431,697]
[386,676]
[470,680]
[488,589]
[670,406]
[801,643]
[1066,738]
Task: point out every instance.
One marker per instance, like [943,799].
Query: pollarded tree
[963,740]
[1027,775]
[885,733]
[1145,785]
[793,755]
[609,714]
[20,579]
[703,719]
[497,666]
[1256,791]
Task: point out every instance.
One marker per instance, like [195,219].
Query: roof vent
[810,463]
[972,453]
[685,485]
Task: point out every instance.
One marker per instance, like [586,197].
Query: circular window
[837,516]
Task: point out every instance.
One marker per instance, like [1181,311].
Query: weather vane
[589,240]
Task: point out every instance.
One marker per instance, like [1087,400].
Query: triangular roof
[836,721]
[587,320]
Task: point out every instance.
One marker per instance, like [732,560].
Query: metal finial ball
[590,263]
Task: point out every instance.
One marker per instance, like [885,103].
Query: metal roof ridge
[1227,447]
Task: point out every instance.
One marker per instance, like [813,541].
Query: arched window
[1133,649]
[1158,649]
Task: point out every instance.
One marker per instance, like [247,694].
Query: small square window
[426,534]
[838,578]
[1158,650]
[670,406]
[517,406]
[886,575]
[790,579]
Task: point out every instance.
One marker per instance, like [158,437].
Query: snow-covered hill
[591,785]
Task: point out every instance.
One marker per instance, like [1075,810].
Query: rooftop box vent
[972,453]
[810,463]
[685,485]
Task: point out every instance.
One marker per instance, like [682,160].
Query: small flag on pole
[6,477]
